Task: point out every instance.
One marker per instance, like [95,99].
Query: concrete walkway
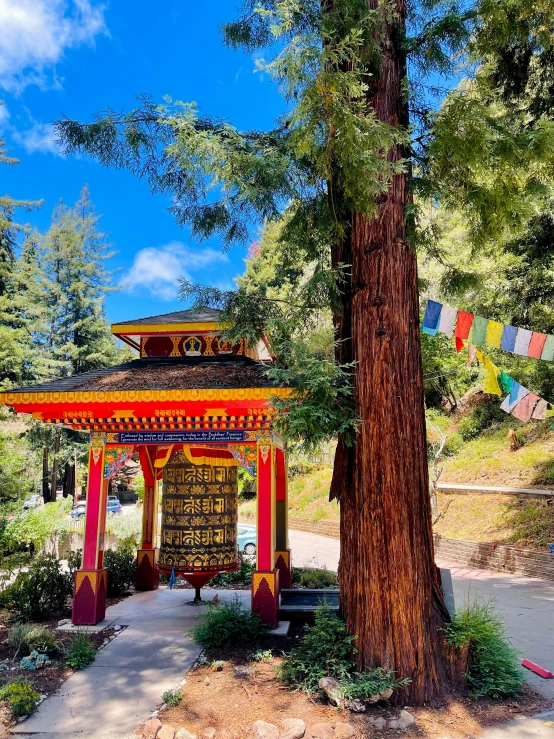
[126,682]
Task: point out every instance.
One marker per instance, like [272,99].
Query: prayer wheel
[199,514]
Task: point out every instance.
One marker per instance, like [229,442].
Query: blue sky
[75,57]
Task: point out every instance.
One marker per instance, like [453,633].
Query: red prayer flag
[459,344]
[536,345]
[463,326]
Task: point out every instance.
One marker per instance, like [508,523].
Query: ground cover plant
[494,669]
[314,578]
[21,696]
[228,624]
[80,653]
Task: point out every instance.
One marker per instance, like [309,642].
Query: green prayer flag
[506,381]
[548,349]
[479,330]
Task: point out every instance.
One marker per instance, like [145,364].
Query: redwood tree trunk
[389,588]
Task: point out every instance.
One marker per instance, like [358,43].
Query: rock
[379,723]
[332,690]
[242,671]
[151,728]
[404,721]
[209,733]
[63,622]
[183,682]
[117,627]
[355,705]
[184,734]
[166,732]
[262,730]
[374,698]
[321,731]
[386,694]
[294,728]
[344,731]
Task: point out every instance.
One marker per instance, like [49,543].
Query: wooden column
[148,576]
[265,580]
[282,551]
[91,580]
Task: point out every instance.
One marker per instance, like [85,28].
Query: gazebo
[194,407]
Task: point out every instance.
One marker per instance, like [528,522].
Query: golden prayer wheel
[199,514]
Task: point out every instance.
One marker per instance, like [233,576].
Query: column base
[265,596]
[89,597]
[148,574]
[284,565]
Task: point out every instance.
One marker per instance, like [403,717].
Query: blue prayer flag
[432,317]
[508,342]
[172,579]
[551,548]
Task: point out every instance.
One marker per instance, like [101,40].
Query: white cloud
[157,269]
[35,34]
[4,116]
[40,137]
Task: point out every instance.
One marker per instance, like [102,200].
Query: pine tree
[343,159]
[73,256]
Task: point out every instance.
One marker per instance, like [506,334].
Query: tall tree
[342,157]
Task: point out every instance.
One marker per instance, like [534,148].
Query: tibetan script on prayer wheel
[199,516]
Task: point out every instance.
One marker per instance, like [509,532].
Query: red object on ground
[537,669]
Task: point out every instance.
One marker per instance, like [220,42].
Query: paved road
[526,604]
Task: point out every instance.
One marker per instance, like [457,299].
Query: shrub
[242,576]
[74,562]
[326,650]
[364,685]
[228,624]
[122,569]
[21,696]
[313,578]
[80,653]
[41,639]
[40,593]
[494,669]
[172,697]
[481,417]
[17,638]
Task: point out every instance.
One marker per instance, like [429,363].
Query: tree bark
[45,476]
[390,592]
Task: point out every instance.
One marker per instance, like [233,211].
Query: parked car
[79,510]
[247,539]
[32,502]
[113,499]
[114,506]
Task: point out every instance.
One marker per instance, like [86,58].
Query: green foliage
[74,560]
[122,569]
[228,624]
[17,638]
[21,696]
[313,578]
[494,669]
[172,697]
[326,650]
[261,655]
[242,576]
[35,661]
[40,593]
[127,529]
[364,685]
[36,525]
[80,653]
[482,416]
[41,639]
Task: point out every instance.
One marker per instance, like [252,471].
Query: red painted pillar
[265,580]
[148,575]
[282,552]
[91,581]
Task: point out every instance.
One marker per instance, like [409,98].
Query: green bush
[40,593]
[481,417]
[313,578]
[494,669]
[364,685]
[326,650]
[35,526]
[17,639]
[41,639]
[228,624]
[21,696]
[242,576]
[80,653]
[453,445]
[74,562]
[172,697]
[122,569]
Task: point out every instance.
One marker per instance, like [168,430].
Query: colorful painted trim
[143,329]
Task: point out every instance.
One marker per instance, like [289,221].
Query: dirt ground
[230,704]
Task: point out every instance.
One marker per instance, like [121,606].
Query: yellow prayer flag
[491,377]
[494,334]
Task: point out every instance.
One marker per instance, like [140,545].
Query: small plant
[228,624]
[242,576]
[41,639]
[326,650]
[34,661]
[80,653]
[122,569]
[21,696]
[217,665]
[313,578]
[370,684]
[172,697]
[261,655]
[40,593]
[17,639]
[494,669]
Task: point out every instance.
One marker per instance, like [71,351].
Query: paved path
[126,682]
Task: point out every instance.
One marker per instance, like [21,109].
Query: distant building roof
[206,315]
